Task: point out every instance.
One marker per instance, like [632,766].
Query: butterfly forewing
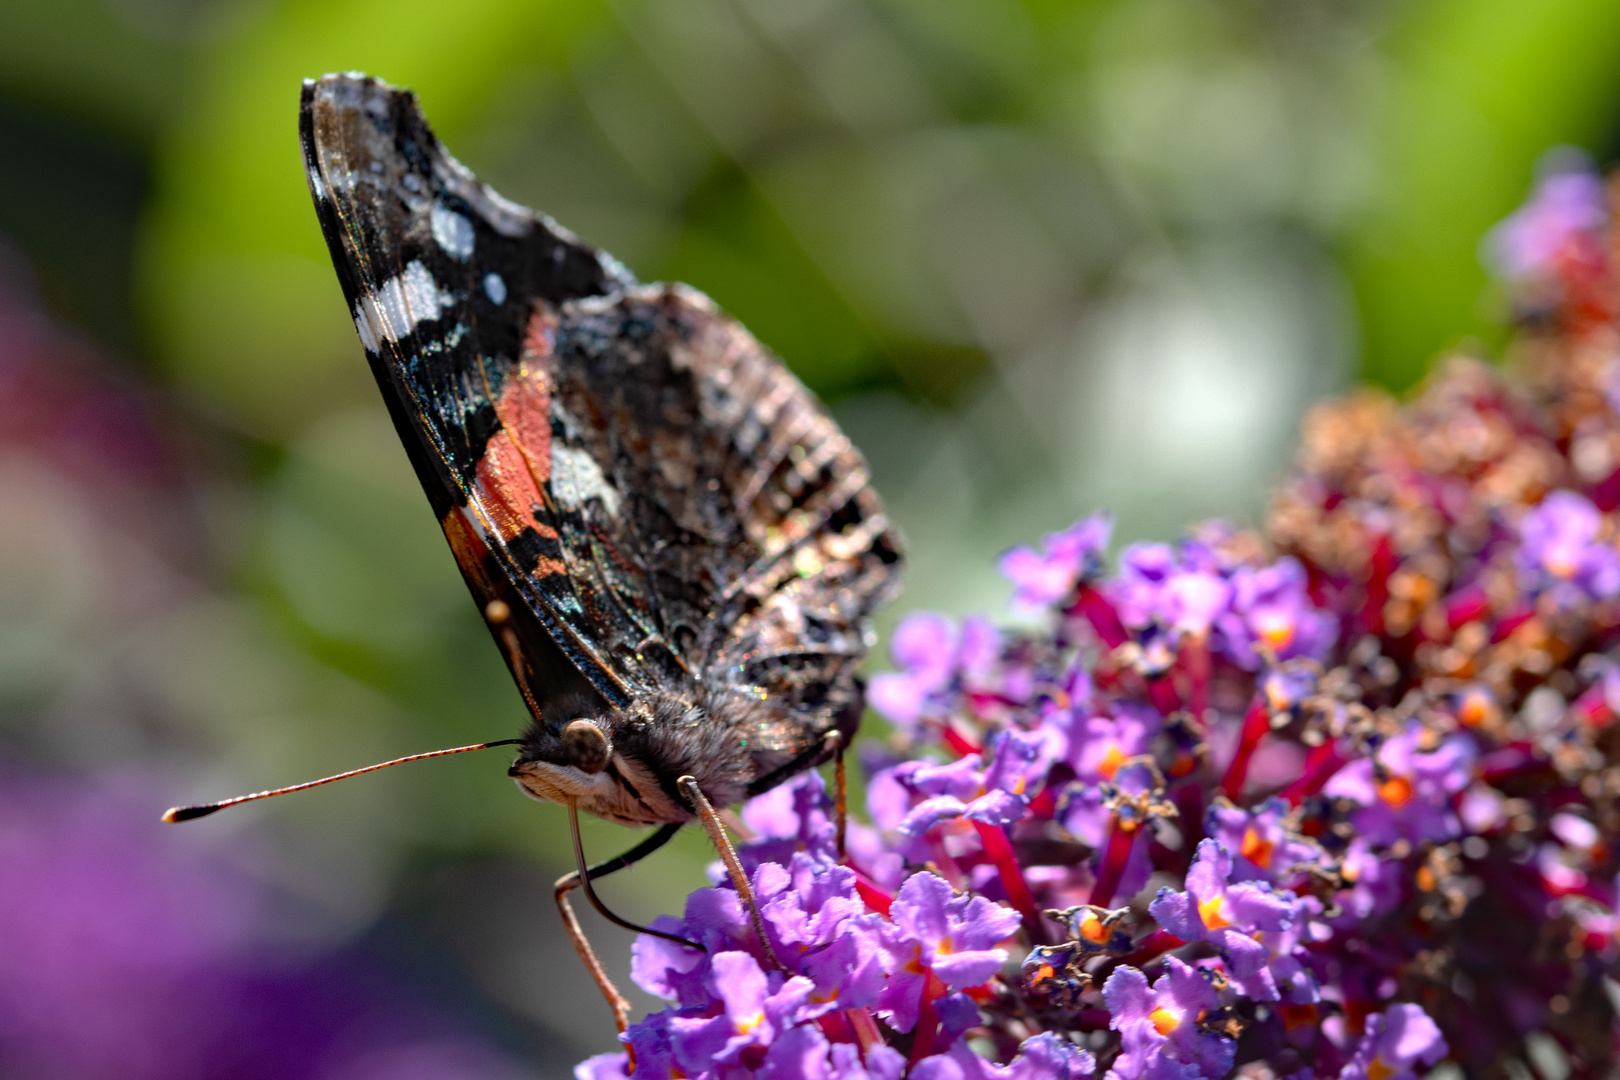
[659,501]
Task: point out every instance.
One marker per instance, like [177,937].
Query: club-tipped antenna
[191,813]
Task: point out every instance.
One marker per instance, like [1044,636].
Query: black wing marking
[440,273]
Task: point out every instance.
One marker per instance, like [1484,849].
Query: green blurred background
[1039,257]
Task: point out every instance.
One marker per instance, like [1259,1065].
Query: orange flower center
[1093,930]
[1475,710]
[1276,628]
[1165,1020]
[1560,562]
[1111,761]
[1396,791]
[1213,913]
[1257,849]
[1377,1070]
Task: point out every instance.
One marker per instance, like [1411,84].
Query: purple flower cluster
[862,966]
[1037,781]
[1333,799]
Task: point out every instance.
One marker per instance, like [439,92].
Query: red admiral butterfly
[673,543]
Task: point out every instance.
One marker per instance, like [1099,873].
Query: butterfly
[674,545]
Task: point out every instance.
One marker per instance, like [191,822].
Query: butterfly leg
[573,880]
[716,829]
[840,790]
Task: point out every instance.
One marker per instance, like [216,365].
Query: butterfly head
[579,761]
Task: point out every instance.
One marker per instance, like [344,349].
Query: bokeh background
[1040,257]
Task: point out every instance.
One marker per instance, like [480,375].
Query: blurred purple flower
[1395,1044]
[1039,1057]
[1156,587]
[930,649]
[1405,792]
[788,819]
[1041,579]
[1259,841]
[133,950]
[1271,609]
[1096,746]
[1567,208]
[1560,552]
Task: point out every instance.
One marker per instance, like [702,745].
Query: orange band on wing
[506,488]
[516,465]
[465,543]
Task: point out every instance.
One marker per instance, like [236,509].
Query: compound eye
[587,746]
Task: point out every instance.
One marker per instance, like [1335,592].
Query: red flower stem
[1510,621]
[1514,760]
[1094,1019]
[999,850]
[958,742]
[1195,662]
[1256,722]
[874,896]
[865,1029]
[836,1027]
[1467,605]
[1100,613]
[1593,707]
[1320,765]
[1163,695]
[1189,800]
[1152,947]
[927,1029]
[1115,855]
[1380,567]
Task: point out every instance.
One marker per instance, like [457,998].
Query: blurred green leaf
[78,58]
[1478,89]
[241,296]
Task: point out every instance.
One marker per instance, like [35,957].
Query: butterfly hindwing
[758,548]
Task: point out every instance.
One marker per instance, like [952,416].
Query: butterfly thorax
[623,764]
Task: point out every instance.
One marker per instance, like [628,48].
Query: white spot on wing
[453,232]
[404,301]
[495,287]
[315,184]
[365,321]
[576,477]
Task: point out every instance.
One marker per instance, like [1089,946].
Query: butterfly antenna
[191,813]
[716,829]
